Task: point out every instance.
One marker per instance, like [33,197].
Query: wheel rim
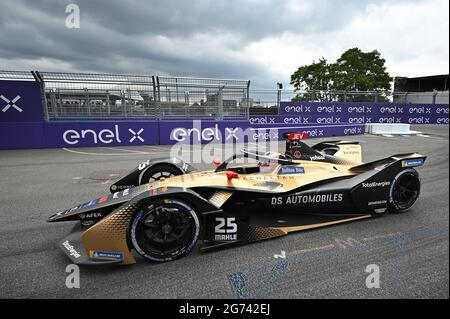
[160,175]
[166,230]
[406,191]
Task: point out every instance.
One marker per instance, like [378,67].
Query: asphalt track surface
[411,250]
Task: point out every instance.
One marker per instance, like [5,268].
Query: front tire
[164,230]
[405,191]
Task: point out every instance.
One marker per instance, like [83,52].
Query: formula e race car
[164,207]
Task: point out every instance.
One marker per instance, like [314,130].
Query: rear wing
[407,160]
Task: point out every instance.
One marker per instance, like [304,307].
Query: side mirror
[232,175]
[217,162]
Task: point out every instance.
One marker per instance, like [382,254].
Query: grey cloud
[122,36]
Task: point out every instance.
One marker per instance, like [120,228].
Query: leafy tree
[315,77]
[354,71]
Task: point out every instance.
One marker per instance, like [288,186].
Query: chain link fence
[72,95]
[197,97]
[79,96]
[266,102]
[16,76]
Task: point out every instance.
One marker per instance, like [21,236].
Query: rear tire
[159,172]
[405,191]
[164,230]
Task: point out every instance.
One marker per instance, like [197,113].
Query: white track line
[156,148]
[126,150]
[97,154]
[121,154]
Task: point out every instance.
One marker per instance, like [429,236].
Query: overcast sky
[261,40]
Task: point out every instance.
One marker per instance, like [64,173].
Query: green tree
[313,78]
[355,71]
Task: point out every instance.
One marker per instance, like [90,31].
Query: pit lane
[411,249]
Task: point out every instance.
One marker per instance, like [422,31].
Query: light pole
[279,88]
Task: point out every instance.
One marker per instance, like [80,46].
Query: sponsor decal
[262,120]
[308,199]
[143,165]
[412,163]
[258,178]
[376,184]
[359,109]
[66,212]
[185,167]
[419,120]
[270,185]
[378,202]
[90,203]
[350,152]
[296,120]
[72,251]
[136,135]
[329,109]
[102,199]
[11,104]
[380,210]
[106,255]
[286,170]
[208,134]
[391,110]
[159,191]
[118,195]
[105,136]
[420,110]
[317,158]
[328,120]
[226,229]
[121,187]
[390,120]
[353,131]
[90,216]
[297,109]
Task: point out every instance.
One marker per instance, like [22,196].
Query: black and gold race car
[163,208]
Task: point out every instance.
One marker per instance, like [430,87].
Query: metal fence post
[157,90]
[186,103]
[108,106]
[122,102]
[247,102]
[435,92]
[41,83]
[53,101]
[220,104]
[278,98]
[130,102]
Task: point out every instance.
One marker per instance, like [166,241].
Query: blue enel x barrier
[133,133]
[22,123]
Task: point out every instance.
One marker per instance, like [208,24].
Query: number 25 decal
[226,225]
